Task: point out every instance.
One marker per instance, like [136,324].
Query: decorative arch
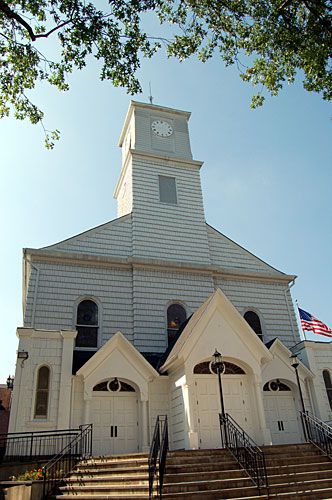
[42,392]
[253,320]
[87,323]
[114,385]
[176,316]
[206,368]
[328,386]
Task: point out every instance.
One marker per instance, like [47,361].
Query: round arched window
[87,324]
[253,320]
[328,386]
[176,316]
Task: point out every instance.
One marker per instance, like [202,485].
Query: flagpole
[298,312]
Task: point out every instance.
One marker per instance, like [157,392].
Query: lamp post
[295,363]
[219,367]
[10,382]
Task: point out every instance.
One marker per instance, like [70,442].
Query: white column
[64,408]
[145,426]
[264,432]
[87,408]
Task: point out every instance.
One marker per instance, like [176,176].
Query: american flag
[310,323]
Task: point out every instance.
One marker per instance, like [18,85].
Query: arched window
[42,392]
[176,316]
[328,386]
[87,324]
[253,320]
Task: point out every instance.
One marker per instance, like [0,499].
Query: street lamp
[219,366]
[10,382]
[295,364]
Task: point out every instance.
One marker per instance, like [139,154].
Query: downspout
[32,322]
[288,309]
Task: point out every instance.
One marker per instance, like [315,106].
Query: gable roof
[113,238]
[227,254]
[206,310]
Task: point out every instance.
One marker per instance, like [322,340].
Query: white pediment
[218,325]
[118,358]
[280,366]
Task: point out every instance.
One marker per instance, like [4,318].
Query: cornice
[79,259]
[174,160]
[197,164]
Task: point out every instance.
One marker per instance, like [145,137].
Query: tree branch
[59,26]
[12,15]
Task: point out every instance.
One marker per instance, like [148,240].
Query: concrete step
[112,491]
[208,475]
[110,469]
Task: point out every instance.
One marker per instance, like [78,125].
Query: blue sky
[266,177]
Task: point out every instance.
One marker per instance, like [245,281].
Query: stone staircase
[295,471]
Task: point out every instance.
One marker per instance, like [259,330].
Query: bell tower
[160,184]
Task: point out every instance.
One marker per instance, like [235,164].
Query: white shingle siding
[272,302]
[60,287]
[227,254]
[178,144]
[166,231]
[177,417]
[110,239]
[153,291]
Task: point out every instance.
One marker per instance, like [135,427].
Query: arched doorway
[236,399]
[280,412]
[114,415]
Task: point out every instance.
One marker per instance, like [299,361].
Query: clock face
[161,128]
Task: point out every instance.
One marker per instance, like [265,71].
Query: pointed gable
[227,254]
[118,358]
[110,239]
[217,324]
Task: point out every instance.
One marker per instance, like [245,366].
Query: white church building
[121,321]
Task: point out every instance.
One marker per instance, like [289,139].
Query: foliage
[270,41]
[29,475]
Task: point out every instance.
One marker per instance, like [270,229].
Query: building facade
[120,322]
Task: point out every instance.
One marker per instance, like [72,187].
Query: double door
[236,401]
[281,417]
[115,423]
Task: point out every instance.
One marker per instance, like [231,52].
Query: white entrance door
[281,417]
[115,423]
[237,404]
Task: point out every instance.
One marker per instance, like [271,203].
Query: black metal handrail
[317,432]
[60,465]
[39,445]
[247,453]
[157,456]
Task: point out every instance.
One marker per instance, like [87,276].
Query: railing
[39,445]
[157,457]
[317,432]
[245,450]
[55,470]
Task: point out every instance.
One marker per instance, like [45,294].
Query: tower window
[176,316]
[328,386]
[42,392]
[253,320]
[167,190]
[87,324]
